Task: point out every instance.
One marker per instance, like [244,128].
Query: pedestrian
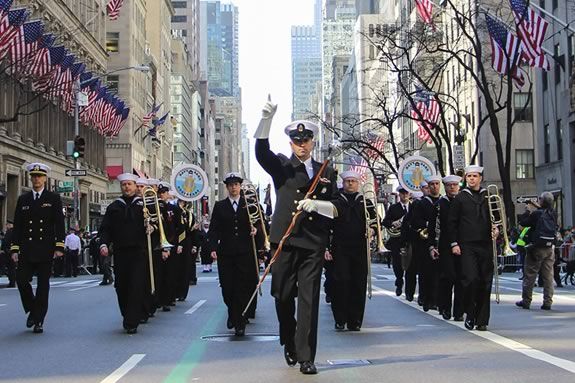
[297,270]
[540,255]
[38,238]
[204,246]
[392,222]
[73,246]
[471,234]
[230,236]
[123,227]
[348,250]
[94,252]
[6,261]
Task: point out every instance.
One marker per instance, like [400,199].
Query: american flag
[425,104]
[359,165]
[531,30]
[5,6]
[25,45]
[62,78]
[506,52]
[39,63]
[377,144]
[161,120]
[48,70]
[113,8]
[425,8]
[9,27]
[150,115]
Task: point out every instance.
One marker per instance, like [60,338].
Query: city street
[84,341]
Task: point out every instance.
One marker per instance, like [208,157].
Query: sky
[265,66]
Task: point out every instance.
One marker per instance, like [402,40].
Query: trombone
[150,198]
[254,214]
[498,220]
[370,202]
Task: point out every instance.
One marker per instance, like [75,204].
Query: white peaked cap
[301,126]
[127,177]
[350,174]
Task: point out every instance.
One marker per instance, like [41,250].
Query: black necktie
[37,196]
[405,209]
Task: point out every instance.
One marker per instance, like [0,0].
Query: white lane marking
[85,287]
[124,368]
[555,297]
[2,304]
[84,282]
[195,307]
[498,339]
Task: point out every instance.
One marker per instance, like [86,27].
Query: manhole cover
[348,362]
[257,337]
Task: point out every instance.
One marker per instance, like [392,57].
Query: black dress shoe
[425,308]
[327,298]
[166,308]
[240,331]
[38,328]
[143,320]
[131,330]
[30,321]
[307,368]
[103,283]
[409,297]
[458,319]
[339,326]
[230,324]
[398,291]
[446,315]
[522,304]
[181,299]
[469,323]
[420,301]
[353,327]
[546,307]
[290,356]
[172,303]
[481,327]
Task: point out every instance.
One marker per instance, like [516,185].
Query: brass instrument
[249,193]
[395,232]
[498,220]
[370,201]
[423,234]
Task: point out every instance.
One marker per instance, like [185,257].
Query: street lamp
[77,100]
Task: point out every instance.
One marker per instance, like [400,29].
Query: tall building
[219,52]
[186,24]
[39,132]
[306,68]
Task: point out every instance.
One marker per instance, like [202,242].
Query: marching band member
[186,267]
[470,229]
[141,184]
[124,227]
[297,270]
[450,290]
[349,254]
[204,247]
[231,245]
[392,221]
[38,238]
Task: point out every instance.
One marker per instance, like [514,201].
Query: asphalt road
[84,341]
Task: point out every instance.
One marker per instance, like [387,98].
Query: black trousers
[7,264]
[35,304]
[350,282]
[152,301]
[429,278]
[130,270]
[297,273]
[71,262]
[394,246]
[450,292]
[106,269]
[413,271]
[236,273]
[183,272]
[477,273]
[328,282]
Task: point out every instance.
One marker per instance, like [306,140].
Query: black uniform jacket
[442,207]
[172,223]
[469,219]
[417,218]
[349,226]
[123,224]
[230,230]
[38,226]
[291,183]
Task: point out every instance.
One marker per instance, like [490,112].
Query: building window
[179,19]
[559,138]
[524,163]
[544,79]
[546,144]
[557,54]
[371,30]
[179,4]
[522,107]
[113,42]
[113,81]
[555,5]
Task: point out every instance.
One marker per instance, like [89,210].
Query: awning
[114,171]
[139,173]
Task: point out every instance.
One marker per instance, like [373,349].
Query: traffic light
[79,146]
[461,173]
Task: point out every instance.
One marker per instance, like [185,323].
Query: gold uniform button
[40,238]
[298,191]
[29,239]
[32,222]
[310,218]
[30,230]
[41,221]
[41,229]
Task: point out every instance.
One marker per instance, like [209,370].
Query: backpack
[545,230]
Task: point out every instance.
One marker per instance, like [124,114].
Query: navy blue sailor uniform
[297,270]
[38,232]
[395,213]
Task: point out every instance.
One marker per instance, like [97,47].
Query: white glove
[324,208]
[263,131]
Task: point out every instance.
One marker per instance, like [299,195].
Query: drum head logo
[189,182]
[414,170]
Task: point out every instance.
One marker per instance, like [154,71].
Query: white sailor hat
[423,184]
[153,181]
[142,181]
[233,177]
[37,168]
[163,186]
[435,178]
[300,129]
[350,174]
[127,177]
[451,179]
[474,169]
[417,194]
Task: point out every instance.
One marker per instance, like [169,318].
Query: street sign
[526,198]
[65,186]
[458,157]
[75,172]
[82,99]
